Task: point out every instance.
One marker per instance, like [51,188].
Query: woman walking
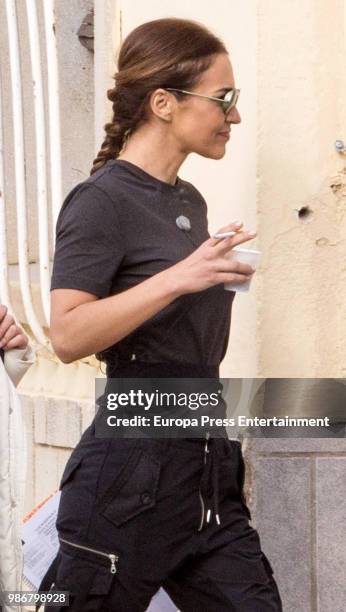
[138,280]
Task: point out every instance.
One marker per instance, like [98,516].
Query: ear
[161,104]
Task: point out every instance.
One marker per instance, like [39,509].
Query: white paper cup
[249,256]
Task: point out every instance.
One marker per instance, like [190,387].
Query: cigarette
[224,234]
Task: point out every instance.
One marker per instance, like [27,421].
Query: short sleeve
[89,247]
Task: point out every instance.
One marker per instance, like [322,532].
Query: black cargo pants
[137,514]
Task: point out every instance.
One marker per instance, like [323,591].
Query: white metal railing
[53,109]
[19,164]
[43,233]
[40,156]
[4,293]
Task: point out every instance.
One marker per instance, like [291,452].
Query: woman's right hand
[207,265]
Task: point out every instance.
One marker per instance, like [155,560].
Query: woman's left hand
[11,335]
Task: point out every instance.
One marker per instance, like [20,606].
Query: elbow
[65,357]
[61,347]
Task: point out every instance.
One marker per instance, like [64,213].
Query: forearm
[94,326]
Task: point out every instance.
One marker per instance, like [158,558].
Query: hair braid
[115,135]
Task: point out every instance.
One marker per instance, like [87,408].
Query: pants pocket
[134,491]
[86,577]
[70,468]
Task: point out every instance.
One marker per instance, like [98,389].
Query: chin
[218,153]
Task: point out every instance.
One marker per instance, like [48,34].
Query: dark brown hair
[162,53]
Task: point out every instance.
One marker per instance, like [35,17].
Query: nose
[233,115]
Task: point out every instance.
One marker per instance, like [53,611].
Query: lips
[224,134]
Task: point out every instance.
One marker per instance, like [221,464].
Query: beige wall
[301,112]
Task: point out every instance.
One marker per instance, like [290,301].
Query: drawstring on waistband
[209,484]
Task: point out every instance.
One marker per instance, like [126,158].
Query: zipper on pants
[112,557]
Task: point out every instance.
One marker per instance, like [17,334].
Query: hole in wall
[305,214]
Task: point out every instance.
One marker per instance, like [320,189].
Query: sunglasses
[228,101]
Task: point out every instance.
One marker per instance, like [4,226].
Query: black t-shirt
[118,228]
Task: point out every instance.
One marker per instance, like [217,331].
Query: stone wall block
[40,419]
[331,533]
[281,505]
[63,422]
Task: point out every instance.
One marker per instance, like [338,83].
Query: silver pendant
[183,223]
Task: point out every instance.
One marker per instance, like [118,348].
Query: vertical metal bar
[4,289]
[53,109]
[41,166]
[19,161]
